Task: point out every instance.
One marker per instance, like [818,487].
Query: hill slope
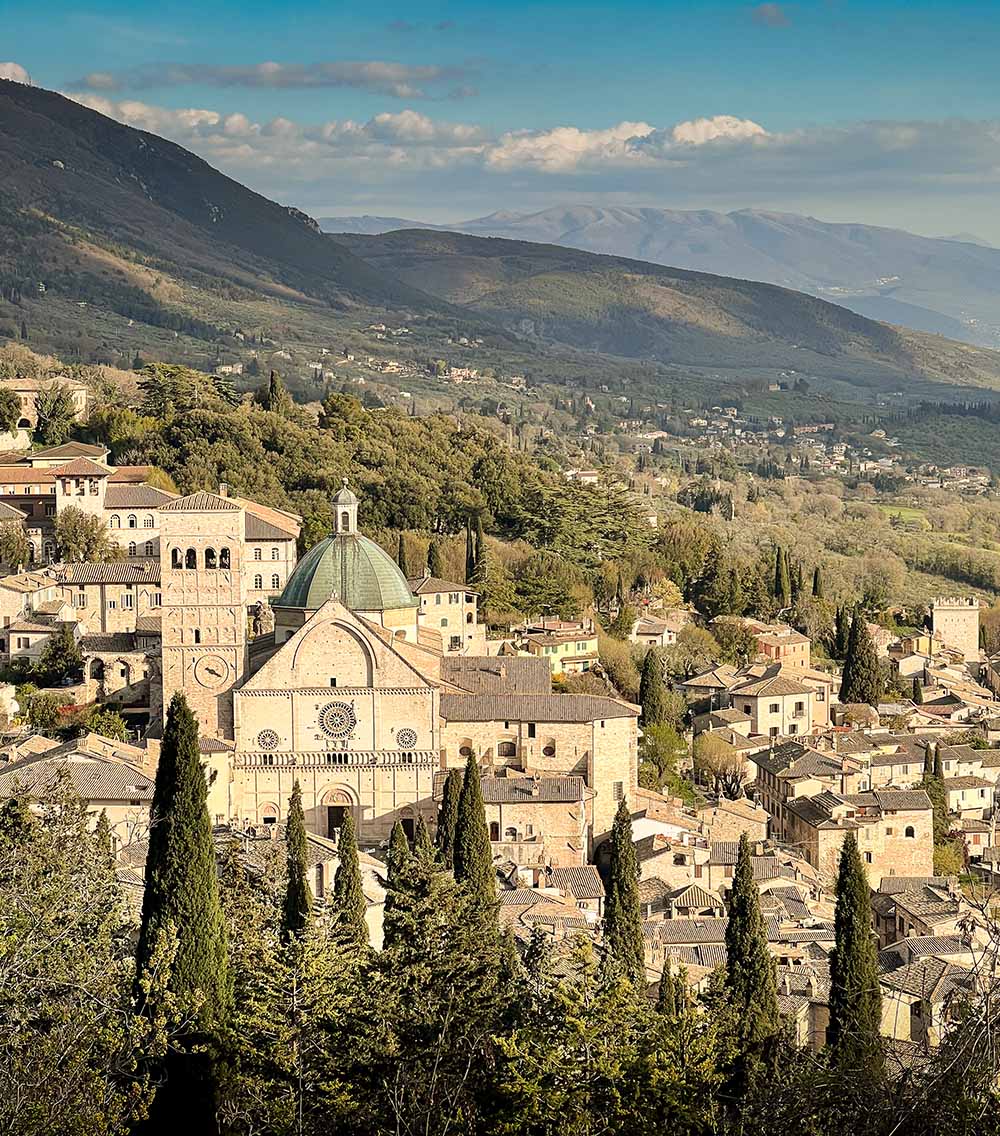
[70,176]
[949,286]
[642,310]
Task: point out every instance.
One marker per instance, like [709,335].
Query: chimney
[223,489]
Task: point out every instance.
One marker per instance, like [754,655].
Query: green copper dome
[363,576]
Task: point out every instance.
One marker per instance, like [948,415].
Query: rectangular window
[820,695]
[868,857]
[531,729]
[437,598]
[81,599]
[112,605]
[618,790]
[127,600]
[775,708]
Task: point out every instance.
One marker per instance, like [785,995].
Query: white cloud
[565,148]
[14,71]
[400,80]
[701,130]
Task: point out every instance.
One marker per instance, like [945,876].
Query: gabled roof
[130,473]
[583,882]
[130,495]
[777,685]
[257,528]
[68,450]
[533,708]
[695,896]
[497,674]
[9,513]
[528,790]
[113,572]
[81,467]
[428,585]
[200,502]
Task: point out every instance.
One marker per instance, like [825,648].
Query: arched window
[470,618]
[131,548]
[149,548]
[275,581]
[510,834]
[132,521]
[258,554]
[506,749]
[190,558]
[258,582]
[444,622]
[274,554]
[910,831]
[23,424]
[224,558]
[176,560]
[494,830]
[49,550]
[210,562]
[147,521]
[345,521]
[116,521]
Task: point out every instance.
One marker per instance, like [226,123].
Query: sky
[876,112]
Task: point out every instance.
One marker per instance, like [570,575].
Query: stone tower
[955,622]
[204,621]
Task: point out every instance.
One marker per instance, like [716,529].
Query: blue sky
[881,112]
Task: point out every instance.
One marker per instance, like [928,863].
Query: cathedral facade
[363,706]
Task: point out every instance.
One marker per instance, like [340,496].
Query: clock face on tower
[211,671]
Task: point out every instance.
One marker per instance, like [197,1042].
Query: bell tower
[345,512]
[204,622]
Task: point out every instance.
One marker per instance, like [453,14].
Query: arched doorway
[336,804]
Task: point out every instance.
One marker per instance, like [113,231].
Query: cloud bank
[14,71]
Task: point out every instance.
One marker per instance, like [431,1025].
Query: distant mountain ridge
[949,286]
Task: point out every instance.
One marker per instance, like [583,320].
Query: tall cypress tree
[622,914]
[448,817]
[401,555]
[841,633]
[652,690]
[817,588]
[749,969]
[181,897]
[473,857]
[297,907]
[396,861]
[470,553]
[861,681]
[918,690]
[481,567]
[349,924]
[435,559]
[422,844]
[855,997]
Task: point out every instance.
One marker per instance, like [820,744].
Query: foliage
[10,410]
[15,548]
[350,928]
[447,819]
[473,857]
[720,765]
[83,536]
[622,917]
[660,750]
[55,414]
[862,681]
[60,658]
[108,723]
[297,907]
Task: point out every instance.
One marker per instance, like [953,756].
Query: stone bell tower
[204,622]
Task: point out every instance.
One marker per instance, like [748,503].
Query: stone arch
[176,558]
[190,558]
[305,645]
[24,424]
[268,809]
[96,670]
[211,563]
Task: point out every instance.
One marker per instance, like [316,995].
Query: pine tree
[435,560]
[396,861]
[447,818]
[817,588]
[652,690]
[862,678]
[855,998]
[297,907]
[749,968]
[622,914]
[349,924]
[181,898]
[401,555]
[473,857]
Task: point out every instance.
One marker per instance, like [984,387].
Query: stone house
[970,797]
[778,705]
[453,609]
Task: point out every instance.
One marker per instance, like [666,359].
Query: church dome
[360,573]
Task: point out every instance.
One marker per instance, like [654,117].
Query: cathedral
[355,695]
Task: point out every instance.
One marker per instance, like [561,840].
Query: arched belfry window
[210,561]
[176,560]
[224,560]
[190,558]
[345,522]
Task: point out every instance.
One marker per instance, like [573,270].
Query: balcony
[347,759]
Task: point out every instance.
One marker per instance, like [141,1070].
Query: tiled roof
[520,897]
[30,627]
[68,450]
[93,779]
[533,708]
[148,625]
[200,502]
[544,790]
[130,473]
[905,951]
[967,783]
[428,585]
[100,642]
[257,528]
[929,978]
[692,930]
[582,882]
[113,572]
[498,674]
[9,513]
[777,685]
[130,495]
[902,800]
[25,475]
[694,896]
[81,467]
[896,885]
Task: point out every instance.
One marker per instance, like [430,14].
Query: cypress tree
[861,681]
[480,570]
[622,915]
[785,581]
[181,898]
[667,992]
[349,924]
[652,690]
[855,998]
[422,845]
[841,633]
[401,555]
[435,560]
[470,553]
[297,907]
[749,969]
[397,859]
[918,690]
[817,583]
[448,818]
[473,858]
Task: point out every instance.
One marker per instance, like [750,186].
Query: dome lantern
[345,512]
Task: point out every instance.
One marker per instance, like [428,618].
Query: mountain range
[114,241]
[949,286]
